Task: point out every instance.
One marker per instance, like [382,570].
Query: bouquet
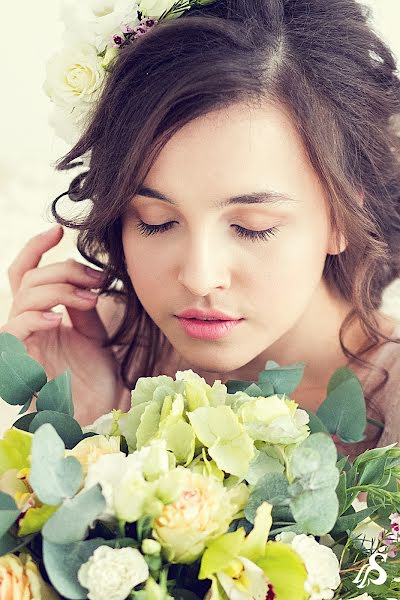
[219,492]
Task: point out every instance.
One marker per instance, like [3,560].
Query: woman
[243,159]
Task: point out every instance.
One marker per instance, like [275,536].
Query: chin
[212,361]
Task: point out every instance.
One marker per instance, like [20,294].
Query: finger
[29,322]
[68,271]
[31,254]
[88,323]
[45,297]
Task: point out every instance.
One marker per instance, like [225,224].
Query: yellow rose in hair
[20,580]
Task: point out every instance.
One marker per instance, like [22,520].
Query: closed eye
[146,230]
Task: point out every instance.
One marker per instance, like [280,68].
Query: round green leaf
[9,512]
[20,377]
[67,428]
[57,395]
[10,343]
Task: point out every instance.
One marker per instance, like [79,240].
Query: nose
[204,264]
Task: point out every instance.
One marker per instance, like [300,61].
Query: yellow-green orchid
[246,567]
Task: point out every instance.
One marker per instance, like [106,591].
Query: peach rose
[20,580]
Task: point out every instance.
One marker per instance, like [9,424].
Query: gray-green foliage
[343,411]
[53,477]
[70,523]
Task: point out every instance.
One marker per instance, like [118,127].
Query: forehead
[230,151]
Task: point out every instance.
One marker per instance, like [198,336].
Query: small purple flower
[144,26]
[392,539]
[117,40]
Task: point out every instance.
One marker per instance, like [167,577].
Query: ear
[337,242]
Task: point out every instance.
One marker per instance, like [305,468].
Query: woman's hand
[59,343]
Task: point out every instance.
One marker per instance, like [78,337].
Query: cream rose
[20,580]
[74,76]
[201,511]
[89,450]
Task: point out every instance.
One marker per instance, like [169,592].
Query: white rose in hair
[96,21]
[74,76]
[111,574]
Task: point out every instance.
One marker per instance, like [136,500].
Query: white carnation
[111,574]
[321,563]
[74,76]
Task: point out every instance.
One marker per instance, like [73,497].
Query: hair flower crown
[95,31]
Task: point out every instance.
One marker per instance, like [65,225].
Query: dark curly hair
[322,61]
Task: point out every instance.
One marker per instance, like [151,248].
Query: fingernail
[52,316]
[87,294]
[98,275]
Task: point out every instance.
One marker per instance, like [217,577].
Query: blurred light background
[29,33]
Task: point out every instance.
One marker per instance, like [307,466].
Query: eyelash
[248,234]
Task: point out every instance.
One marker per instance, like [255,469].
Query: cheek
[293,262]
[146,264]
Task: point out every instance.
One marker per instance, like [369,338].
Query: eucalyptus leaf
[25,407]
[343,411]
[315,511]
[10,543]
[74,517]
[315,424]
[272,488]
[53,477]
[67,428]
[63,561]
[314,502]
[10,343]
[234,386]
[283,379]
[57,395]
[9,512]
[20,377]
[253,390]
[25,421]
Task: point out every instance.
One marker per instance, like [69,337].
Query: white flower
[96,21]
[274,420]
[104,425]
[155,8]
[74,76]
[111,574]
[321,563]
[69,124]
[128,483]
[367,531]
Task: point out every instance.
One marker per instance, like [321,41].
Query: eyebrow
[262,197]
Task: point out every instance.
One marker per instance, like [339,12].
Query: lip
[216,315]
[207,330]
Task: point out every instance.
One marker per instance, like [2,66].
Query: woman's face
[203,261]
